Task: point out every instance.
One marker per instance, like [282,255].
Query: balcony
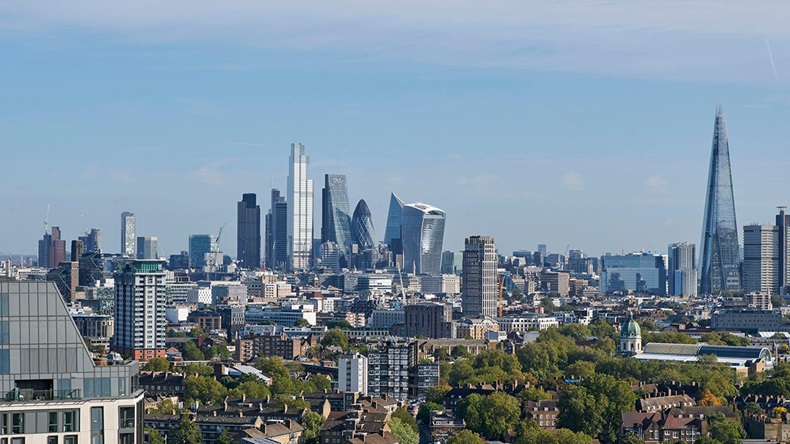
[30,395]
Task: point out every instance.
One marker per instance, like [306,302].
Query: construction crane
[84,225]
[46,221]
[212,258]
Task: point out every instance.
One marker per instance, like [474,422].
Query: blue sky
[581,123]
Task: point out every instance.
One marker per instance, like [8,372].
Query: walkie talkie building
[719,254]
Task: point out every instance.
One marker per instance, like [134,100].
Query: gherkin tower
[719,254]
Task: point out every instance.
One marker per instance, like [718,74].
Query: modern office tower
[248,232]
[719,255]
[682,273]
[336,214]
[392,232]
[147,247]
[54,392]
[92,241]
[761,272]
[479,287]
[352,373]
[639,272]
[330,256]
[452,262]
[277,232]
[51,249]
[199,246]
[44,248]
[542,250]
[422,235]
[362,230]
[783,223]
[128,234]
[300,209]
[140,300]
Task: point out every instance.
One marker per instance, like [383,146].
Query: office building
[392,233]
[783,224]
[634,272]
[140,300]
[719,255]
[429,319]
[199,246]
[761,272]
[147,247]
[422,236]
[51,249]
[53,391]
[336,214]
[248,232]
[747,319]
[277,233]
[128,238]
[362,231]
[352,373]
[286,315]
[452,262]
[479,279]
[682,273]
[300,209]
[446,283]
[92,241]
[331,256]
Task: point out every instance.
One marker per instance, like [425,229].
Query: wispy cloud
[212,174]
[573,182]
[655,184]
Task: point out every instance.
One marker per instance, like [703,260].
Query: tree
[465,437]
[158,365]
[220,350]
[548,305]
[204,389]
[706,398]
[426,408]
[440,354]
[154,437]
[405,417]
[727,432]
[273,367]
[321,383]
[251,389]
[491,416]
[167,407]
[753,408]
[341,324]
[191,352]
[224,437]
[198,369]
[777,301]
[437,393]
[302,322]
[312,422]
[595,405]
[706,440]
[336,338]
[196,332]
[185,432]
[630,438]
[459,351]
[532,393]
[404,433]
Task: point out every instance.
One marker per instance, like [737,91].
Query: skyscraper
[248,232]
[277,232]
[147,247]
[761,249]
[300,209]
[362,230]
[199,246]
[92,241]
[479,277]
[719,255]
[352,375]
[127,234]
[140,309]
[682,269]
[51,249]
[783,223]
[392,231]
[422,236]
[335,212]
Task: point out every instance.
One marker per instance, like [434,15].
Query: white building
[127,234]
[352,373]
[140,301]
[176,314]
[526,322]
[385,319]
[286,315]
[446,283]
[300,209]
[761,254]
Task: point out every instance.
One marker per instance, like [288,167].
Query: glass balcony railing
[29,395]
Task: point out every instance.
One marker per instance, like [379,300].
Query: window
[53,422]
[71,439]
[52,440]
[126,438]
[17,424]
[69,421]
[127,417]
[17,440]
[97,425]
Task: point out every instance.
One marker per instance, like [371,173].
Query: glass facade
[719,255]
[277,232]
[300,209]
[393,220]
[248,232]
[362,226]
[199,245]
[422,236]
[335,215]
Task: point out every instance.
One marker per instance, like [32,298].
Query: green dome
[631,328]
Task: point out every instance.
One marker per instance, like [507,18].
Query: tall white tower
[352,373]
[300,209]
[128,247]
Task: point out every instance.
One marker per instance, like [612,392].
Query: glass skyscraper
[199,245]
[362,226]
[682,273]
[336,214]
[300,209]
[277,232]
[422,236]
[127,234]
[393,221]
[719,255]
[248,232]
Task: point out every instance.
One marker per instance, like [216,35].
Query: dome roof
[631,328]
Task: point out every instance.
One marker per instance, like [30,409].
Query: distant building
[392,234]
[422,236]
[128,247]
[140,300]
[480,289]
[300,209]
[248,232]
[362,231]
[51,249]
[199,246]
[336,215]
[746,320]
[761,259]
[631,337]
[682,271]
[352,373]
[446,283]
[286,315]
[635,272]
[783,224]
[429,319]
[147,247]
[555,282]
[452,262]
[277,233]
[92,241]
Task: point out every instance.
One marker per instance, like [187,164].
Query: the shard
[719,254]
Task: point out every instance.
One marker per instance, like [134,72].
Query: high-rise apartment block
[300,209]
[422,236]
[719,256]
[783,224]
[248,232]
[352,373]
[53,391]
[277,232]
[128,225]
[682,273]
[140,299]
[389,367]
[479,279]
[147,247]
[761,251]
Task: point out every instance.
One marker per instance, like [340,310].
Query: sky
[580,124]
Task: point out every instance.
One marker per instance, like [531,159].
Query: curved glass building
[719,254]
[393,220]
[336,219]
[362,226]
[422,235]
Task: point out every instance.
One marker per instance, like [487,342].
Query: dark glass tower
[277,232]
[719,254]
[392,231]
[335,212]
[248,241]
[362,226]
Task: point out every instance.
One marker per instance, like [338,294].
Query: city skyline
[502,128]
